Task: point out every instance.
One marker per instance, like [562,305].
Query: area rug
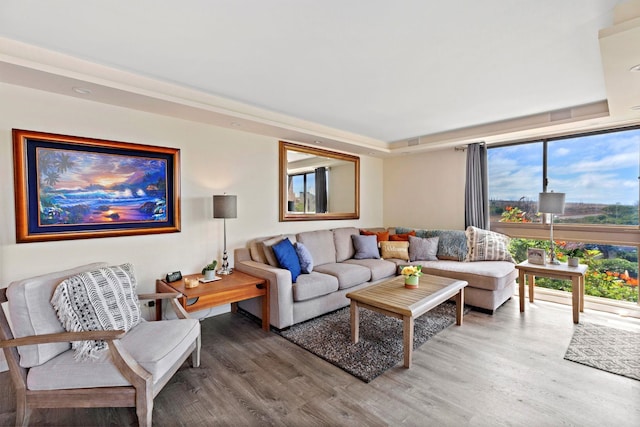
[380,345]
[609,349]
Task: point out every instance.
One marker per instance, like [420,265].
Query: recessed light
[236,124]
[317,141]
[635,68]
[81,90]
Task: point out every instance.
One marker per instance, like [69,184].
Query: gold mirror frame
[285,214]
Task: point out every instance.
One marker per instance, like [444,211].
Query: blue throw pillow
[366,247]
[287,257]
[306,261]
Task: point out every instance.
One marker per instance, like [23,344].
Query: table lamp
[224,207]
[551,203]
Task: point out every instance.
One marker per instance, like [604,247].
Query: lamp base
[554,262]
[225,270]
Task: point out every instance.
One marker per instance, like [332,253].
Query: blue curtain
[476,194]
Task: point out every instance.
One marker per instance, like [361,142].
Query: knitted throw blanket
[103,299]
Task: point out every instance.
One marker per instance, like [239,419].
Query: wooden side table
[554,271]
[230,289]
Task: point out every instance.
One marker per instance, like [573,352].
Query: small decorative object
[536,256]
[209,270]
[573,251]
[224,207]
[411,275]
[173,277]
[191,282]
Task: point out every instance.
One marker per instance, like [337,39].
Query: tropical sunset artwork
[81,187]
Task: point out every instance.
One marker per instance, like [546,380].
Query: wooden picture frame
[536,256]
[69,187]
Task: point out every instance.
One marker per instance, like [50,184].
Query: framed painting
[69,187]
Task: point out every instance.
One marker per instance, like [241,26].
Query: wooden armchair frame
[139,395]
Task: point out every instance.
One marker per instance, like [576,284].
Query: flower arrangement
[412,271]
[514,214]
[571,249]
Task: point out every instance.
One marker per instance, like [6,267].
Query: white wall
[425,190]
[214,160]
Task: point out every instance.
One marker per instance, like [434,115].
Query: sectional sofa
[337,270]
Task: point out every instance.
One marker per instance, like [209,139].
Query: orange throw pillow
[402,237]
[381,236]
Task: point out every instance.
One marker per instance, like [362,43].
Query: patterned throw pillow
[452,244]
[395,250]
[423,249]
[485,245]
[366,247]
[98,300]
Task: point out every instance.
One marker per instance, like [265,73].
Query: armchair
[45,374]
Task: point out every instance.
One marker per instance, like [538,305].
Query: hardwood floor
[501,370]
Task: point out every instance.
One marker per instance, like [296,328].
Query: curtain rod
[464,147]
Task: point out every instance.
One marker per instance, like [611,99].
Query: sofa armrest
[281,289]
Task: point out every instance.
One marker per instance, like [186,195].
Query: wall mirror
[317,184]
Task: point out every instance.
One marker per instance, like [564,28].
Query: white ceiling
[362,74]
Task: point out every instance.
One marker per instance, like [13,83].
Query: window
[598,172]
[304,189]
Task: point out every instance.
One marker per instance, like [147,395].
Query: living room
[229,156]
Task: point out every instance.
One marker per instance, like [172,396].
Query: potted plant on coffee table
[411,275]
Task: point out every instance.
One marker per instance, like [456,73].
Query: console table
[230,289]
[554,271]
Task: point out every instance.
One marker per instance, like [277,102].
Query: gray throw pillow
[366,247]
[306,260]
[423,249]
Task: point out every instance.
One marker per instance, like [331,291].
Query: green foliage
[614,278]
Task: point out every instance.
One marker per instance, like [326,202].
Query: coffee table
[392,299]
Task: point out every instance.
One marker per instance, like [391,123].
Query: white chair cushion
[157,346]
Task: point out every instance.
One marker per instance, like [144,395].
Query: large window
[599,173]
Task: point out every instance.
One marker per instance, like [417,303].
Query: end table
[554,271]
[230,289]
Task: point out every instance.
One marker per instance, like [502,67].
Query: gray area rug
[609,349]
[380,344]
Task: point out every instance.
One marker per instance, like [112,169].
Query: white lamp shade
[552,203]
[225,206]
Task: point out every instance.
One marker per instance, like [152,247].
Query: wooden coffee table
[391,298]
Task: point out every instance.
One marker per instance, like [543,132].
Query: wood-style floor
[506,369]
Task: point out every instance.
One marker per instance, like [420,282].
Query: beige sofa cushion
[31,313]
[380,268]
[314,285]
[348,275]
[489,275]
[343,242]
[320,244]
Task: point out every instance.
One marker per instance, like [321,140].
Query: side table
[230,289]
[554,271]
